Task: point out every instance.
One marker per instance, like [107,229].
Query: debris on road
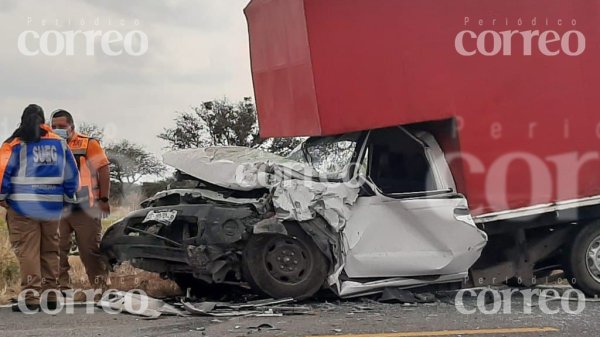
[138,304]
[258,308]
[425,298]
[396,295]
[269,313]
[263,326]
[200,310]
[399,295]
[256,303]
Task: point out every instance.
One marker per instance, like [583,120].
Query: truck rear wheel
[583,266]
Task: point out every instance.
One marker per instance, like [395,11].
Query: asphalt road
[347,318]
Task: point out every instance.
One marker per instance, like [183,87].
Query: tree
[130,162]
[222,123]
[187,133]
[91,130]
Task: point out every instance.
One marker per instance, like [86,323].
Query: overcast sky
[197,50]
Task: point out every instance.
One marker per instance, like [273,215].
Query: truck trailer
[507,88]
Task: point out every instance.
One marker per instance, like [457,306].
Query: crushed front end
[186,231]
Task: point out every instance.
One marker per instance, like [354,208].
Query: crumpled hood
[295,193]
[237,168]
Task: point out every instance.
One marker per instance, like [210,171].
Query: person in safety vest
[84,217]
[39,176]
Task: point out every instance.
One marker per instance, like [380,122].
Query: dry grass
[124,278]
[9,267]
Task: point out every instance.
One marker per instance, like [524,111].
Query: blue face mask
[61,132]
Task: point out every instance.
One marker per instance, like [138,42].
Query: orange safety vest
[89,189]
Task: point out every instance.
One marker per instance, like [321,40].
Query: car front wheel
[284,266]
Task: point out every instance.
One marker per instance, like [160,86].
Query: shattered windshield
[329,156]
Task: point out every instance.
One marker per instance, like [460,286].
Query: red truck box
[518,77]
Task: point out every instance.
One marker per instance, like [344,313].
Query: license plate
[164,217]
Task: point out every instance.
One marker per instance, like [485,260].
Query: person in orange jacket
[39,177]
[84,218]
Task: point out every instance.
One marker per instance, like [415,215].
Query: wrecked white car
[353,213]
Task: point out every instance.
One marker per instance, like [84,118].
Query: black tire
[578,268]
[304,266]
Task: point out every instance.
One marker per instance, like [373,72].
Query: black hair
[30,130]
[63,113]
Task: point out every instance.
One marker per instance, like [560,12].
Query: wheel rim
[593,259]
[287,260]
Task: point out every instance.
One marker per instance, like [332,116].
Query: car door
[412,223]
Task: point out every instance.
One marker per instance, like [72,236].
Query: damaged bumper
[203,240]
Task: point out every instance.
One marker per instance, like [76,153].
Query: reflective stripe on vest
[36,197]
[69,199]
[22,179]
[23,161]
[80,152]
[37,181]
[79,148]
[40,159]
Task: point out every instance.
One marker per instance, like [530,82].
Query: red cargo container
[519,77]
